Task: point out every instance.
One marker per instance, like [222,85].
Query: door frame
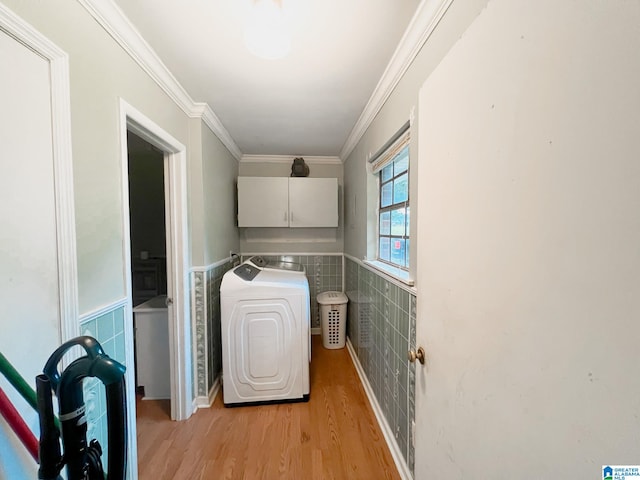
[175,165]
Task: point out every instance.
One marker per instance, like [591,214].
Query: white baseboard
[206,402]
[396,452]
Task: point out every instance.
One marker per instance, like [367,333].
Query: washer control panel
[246,272]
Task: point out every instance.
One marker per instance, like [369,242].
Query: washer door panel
[263,363]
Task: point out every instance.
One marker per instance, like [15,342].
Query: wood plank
[333,436]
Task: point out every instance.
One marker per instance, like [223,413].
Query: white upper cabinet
[287,202]
[263,202]
[313,202]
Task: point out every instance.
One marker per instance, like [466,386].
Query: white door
[30,261]
[528,263]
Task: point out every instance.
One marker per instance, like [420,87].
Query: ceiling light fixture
[266,32]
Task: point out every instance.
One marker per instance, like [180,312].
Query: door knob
[419,355]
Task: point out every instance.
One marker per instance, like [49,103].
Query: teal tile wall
[108,329]
[381,327]
[198,313]
[324,273]
[205,309]
[214,340]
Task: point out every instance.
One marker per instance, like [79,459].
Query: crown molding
[116,24]
[424,21]
[110,17]
[289,158]
[212,121]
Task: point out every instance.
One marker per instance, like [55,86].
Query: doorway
[147,223]
[174,157]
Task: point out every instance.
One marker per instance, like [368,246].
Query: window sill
[394,272]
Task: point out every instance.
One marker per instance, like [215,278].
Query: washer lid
[258,261]
[289,266]
[264,264]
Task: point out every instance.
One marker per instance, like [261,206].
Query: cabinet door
[263,202]
[313,202]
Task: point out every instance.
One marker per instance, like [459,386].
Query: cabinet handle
[291,217]
[285,216]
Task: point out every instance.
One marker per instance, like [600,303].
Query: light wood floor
[333,436]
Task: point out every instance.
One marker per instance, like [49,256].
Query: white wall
[529,241]
[101,72]
[212,197]
[359,188]
[196,192]
[220,170]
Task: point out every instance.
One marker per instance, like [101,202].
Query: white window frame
[375,164]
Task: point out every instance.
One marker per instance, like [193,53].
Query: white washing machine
[266,334]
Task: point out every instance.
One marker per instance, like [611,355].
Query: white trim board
[98,312]
[212,121]
[396,452]
[113,20]
[206,402]
[116,24]
[177,245]
[211,266]
[381,273]
[425,20]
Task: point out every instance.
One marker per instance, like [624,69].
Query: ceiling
[304,104]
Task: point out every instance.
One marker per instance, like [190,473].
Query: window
[393,234]
[391,166]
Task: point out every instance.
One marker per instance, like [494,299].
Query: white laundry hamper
[333,316]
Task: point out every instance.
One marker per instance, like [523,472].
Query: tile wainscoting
[205,311]
[380,325]
[106,326]
[324,273]
[381,322]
